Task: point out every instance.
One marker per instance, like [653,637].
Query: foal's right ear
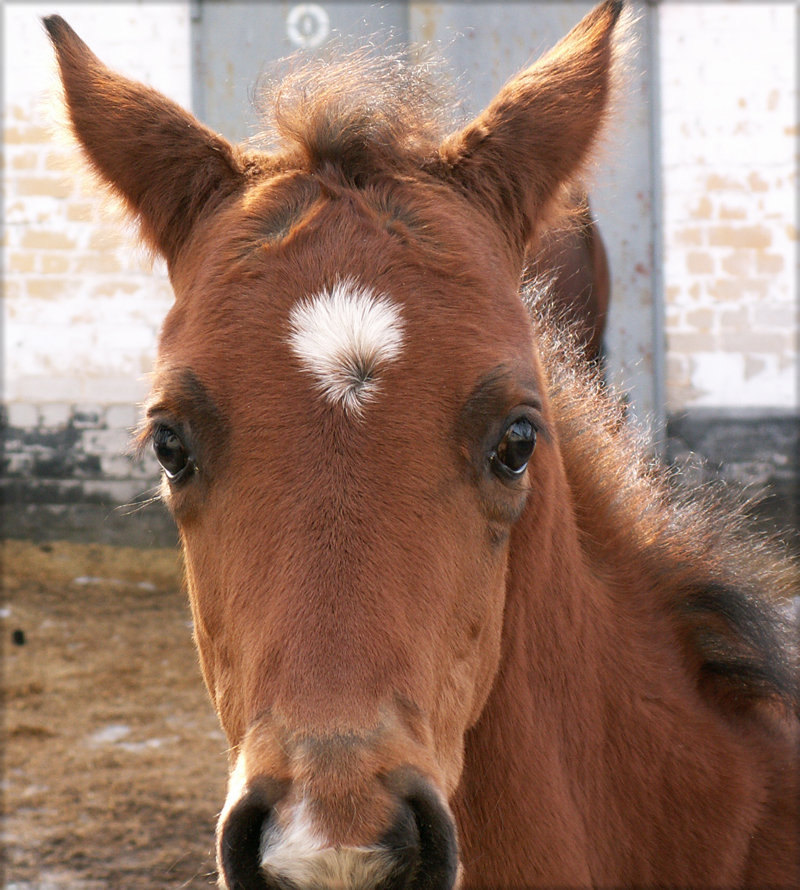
[168,167]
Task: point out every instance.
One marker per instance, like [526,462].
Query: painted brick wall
[83,305]
[729,131]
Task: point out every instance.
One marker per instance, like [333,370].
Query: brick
[22,415]
[734,319]
[783,316]
[701,320]
[728,213]
[21,262]
[717,183]
[738,263]
[755,341]
[112,288]
[87,417]
[756,183]
[46,288]
[698,263]
[25,161]
[753,366]
[26,135]
[740,236]
[80,211]
[691,237]
[37,239]
[99,263]
[104,441]
[121,491]
[688,343]
[49,186]
[769,263]
[105,239]
[20,464]
[54,415]
[121,417]
[114,388]
[703,209]
[115,466]
[59,161]
[32,387]
[11,290]
[55,264]
[726,289]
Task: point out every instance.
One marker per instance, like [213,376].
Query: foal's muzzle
[417,852]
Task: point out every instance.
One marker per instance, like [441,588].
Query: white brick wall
[82,308]
[729,131]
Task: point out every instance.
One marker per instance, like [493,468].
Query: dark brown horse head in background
[434,602]
[571,262]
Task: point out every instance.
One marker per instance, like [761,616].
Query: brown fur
[582,668]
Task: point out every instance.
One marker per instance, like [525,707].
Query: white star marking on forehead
[342,336]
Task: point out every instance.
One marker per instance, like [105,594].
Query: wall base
[758,450]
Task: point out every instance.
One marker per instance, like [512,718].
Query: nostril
[423,838]
[239,841]
[438,857]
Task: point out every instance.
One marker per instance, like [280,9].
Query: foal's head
[351,418]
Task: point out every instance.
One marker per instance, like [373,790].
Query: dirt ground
[114,764]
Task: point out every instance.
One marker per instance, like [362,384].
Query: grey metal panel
[235,41]
[488,42]
[483,44]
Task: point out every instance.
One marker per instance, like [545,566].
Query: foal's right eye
[171,453]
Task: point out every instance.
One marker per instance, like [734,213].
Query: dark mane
[726,589]
[355,109]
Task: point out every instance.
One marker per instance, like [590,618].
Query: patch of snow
[109,735]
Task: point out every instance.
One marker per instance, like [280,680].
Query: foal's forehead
[336,294]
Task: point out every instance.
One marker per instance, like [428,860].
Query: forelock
[362,110]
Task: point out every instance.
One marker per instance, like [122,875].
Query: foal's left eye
[171,453]
[510,458]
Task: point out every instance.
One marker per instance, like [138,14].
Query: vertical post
[659,423]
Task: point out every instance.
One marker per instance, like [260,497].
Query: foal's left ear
[167,166]
[537,134]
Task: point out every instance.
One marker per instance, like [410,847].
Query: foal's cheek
[480,632]
[205,587]
[488,639]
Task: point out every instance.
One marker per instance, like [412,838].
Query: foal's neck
[519,773]
[594,760]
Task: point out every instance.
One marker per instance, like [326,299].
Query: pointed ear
[167,167]
[537,134]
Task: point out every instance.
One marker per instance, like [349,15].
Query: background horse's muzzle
[418,852]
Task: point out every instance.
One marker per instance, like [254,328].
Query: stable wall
[729,149]
[82,309]
[82,305]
